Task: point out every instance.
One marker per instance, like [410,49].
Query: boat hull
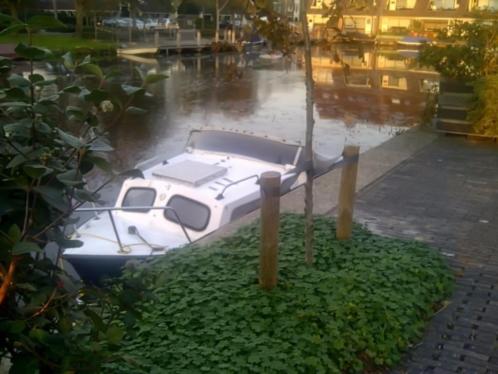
[94,269]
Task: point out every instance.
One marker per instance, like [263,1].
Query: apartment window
[486,4]
[401,4]
[443,4]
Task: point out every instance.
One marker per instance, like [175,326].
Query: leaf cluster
[469,50]
[484,114]
[52,135]
[356,310]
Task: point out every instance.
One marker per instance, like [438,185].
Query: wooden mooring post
[270,223]
[156,38]
[347,191]
[178,41]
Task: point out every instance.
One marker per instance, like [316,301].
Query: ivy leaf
[100,145]
[21,128]
[36,171]
[14,233]
[96,96]
[100,162]
[36,78]
[140,73]
[154,78]
[75,113]
[70,139]
[70,178]
[68,60]
[15,104]
[17,80]
[16,161]
[132,90]
[68,243]
[53,197]
[92,69]
[114,334]
[32,53]
[72,89]
[21,248]
[97,321]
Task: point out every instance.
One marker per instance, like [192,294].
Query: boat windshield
[192,214]
[139,196]
[245,145]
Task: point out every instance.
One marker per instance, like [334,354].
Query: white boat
[180,200]
[275,55]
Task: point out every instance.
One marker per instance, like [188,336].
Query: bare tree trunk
[80,9]
[54,7]
[308,150]
[13,10]
[217,30]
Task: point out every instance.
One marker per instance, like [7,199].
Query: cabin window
[138,196]
[193,214]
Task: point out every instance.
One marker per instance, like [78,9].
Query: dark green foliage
[52,134]
[468,50]
[484,115]
[356,310]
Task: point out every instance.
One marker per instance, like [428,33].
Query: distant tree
[470,49]
[13,6]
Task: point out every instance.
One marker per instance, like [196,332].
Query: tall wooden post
[198,36]
[156,38]
[178,40]
[347,190]
[270,222]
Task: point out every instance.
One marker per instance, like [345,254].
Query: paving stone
[447,195]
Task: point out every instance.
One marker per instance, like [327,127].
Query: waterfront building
[396,18]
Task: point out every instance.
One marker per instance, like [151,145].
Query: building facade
[398,17]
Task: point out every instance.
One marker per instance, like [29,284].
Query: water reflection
[362,97]
[381,87]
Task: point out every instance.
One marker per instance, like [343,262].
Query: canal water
[362,97]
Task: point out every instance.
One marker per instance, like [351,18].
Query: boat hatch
[190,172]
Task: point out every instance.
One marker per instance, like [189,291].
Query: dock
[188,40]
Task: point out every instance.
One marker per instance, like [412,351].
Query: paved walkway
[447,195]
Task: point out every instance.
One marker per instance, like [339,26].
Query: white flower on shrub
[106,106]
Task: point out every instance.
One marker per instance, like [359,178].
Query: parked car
[156,23]
[123,22]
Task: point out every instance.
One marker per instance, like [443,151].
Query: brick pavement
[447,195]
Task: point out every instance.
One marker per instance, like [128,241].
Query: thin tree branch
[7,280]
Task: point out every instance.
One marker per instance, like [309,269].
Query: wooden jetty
[184,41]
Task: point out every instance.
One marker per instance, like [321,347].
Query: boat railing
[109,211]
[221,194]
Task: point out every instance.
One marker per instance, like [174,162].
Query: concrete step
[454,126]
[459,114]
[449,100]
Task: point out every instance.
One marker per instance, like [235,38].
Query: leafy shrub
[469,51]
[52,134]
[484,115]
[357,309]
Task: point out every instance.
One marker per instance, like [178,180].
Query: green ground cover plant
[62,43]
[357,309]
